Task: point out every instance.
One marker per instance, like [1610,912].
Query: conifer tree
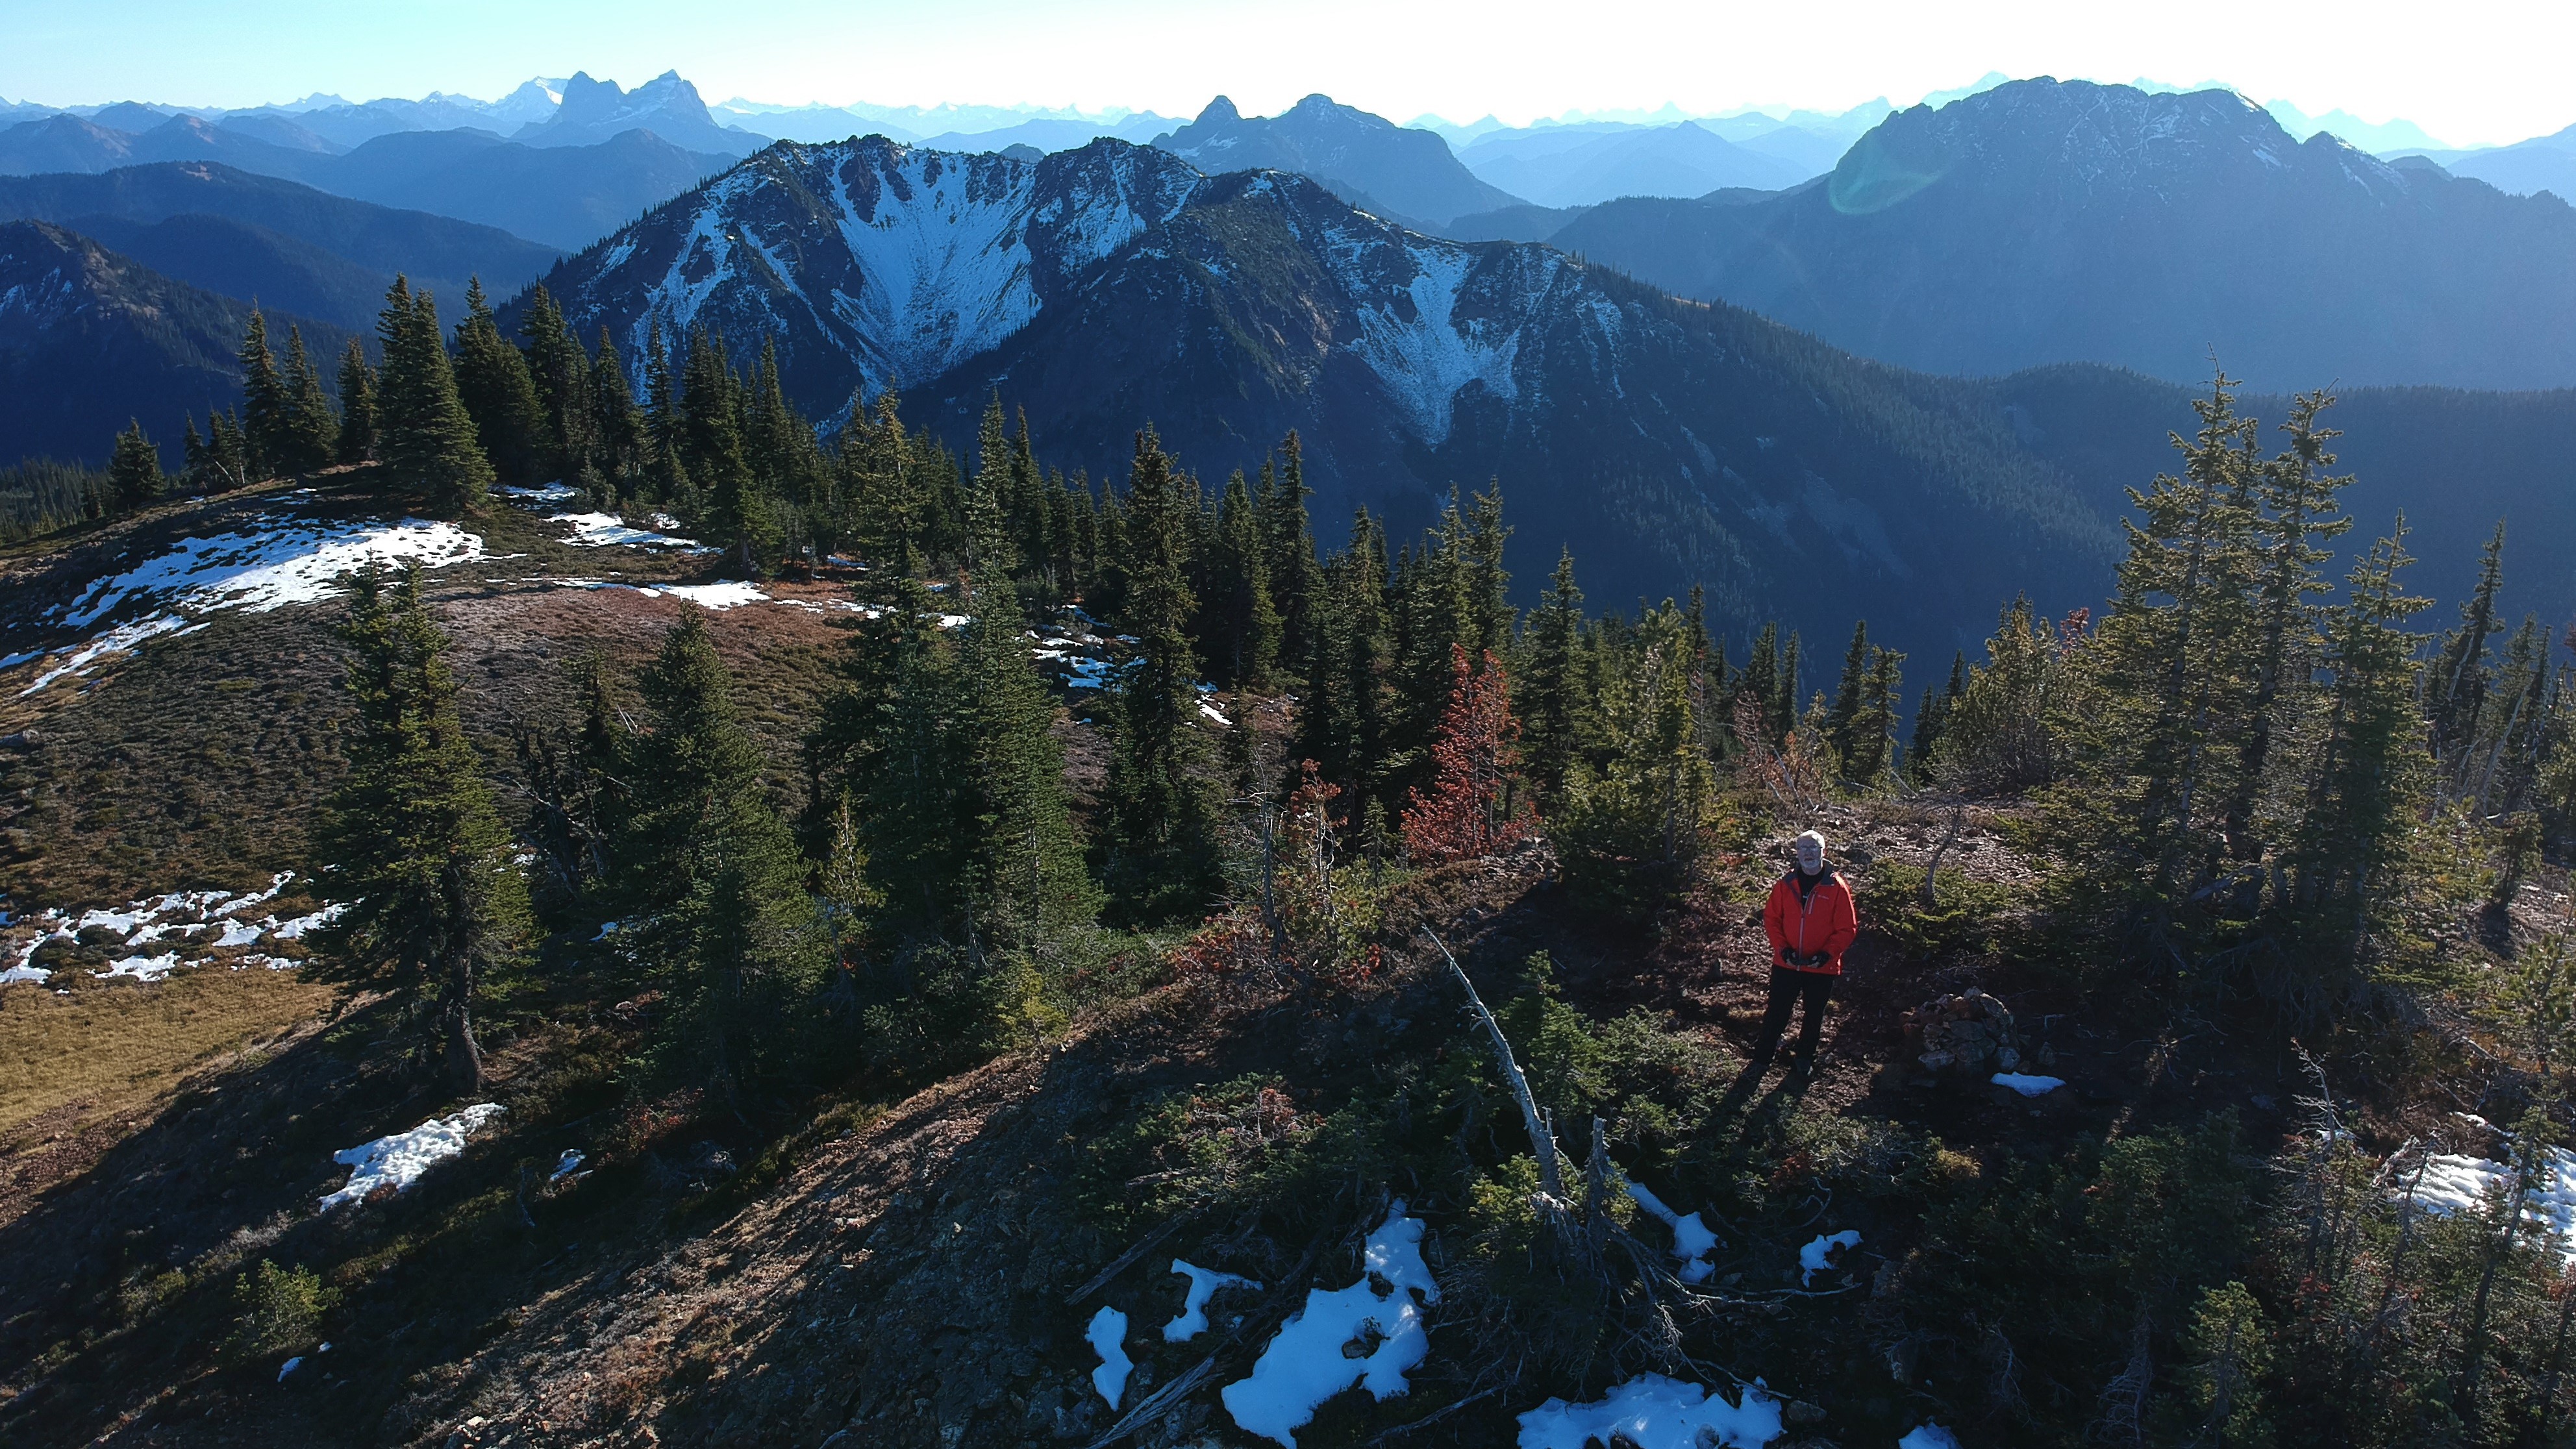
[265,404]
[2296,521]
[357,405]
[732,935]
[1240,626]
[499,394]
[1759,681]
[1027,859]
[1873,733]
[1345,723]
[1630,832]
[425,436]
[1295,576]
[134,473]
[621,432]
[311,434]
[990,552]
[1474,806]
[2456,693]
[194,465]
[561,374]
[2371,783]
[738,516]
[411,840]
[1843,720]
[1161,849]
[227,456]
[889,747]
[1783,713]
[1554,705]
[2170,679]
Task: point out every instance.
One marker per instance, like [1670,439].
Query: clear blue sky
[2468,72]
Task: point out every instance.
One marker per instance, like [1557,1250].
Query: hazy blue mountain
[2543,163]
[72,143]
[563,196]
[1512,223]
[2379,137]
[279,131]
[270,234]
[1046,134]
[1678,160]
[595,110]
[1412,174]
[90,339]
[2044,222]
[812,124]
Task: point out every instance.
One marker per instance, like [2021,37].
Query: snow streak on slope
[1426,357]
[944,262]
[904,261]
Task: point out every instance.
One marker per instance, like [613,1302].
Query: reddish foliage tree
[1474,807]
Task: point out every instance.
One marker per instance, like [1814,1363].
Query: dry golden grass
[114,1048]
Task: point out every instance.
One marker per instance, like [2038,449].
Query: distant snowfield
[178,923]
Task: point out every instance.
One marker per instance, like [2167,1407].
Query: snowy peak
[592,111]
[879,265]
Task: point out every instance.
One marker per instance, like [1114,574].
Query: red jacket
[1823,920]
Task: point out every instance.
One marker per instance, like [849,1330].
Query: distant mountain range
[2042,222]
[290,246]
[1403,175]
[1567,167]
[558,193]
[90,339]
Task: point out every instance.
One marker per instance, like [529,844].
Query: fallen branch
[1551,1176]
[1435,1416]
[1120,1264]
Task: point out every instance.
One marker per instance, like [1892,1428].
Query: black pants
[1788,988]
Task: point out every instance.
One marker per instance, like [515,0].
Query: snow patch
[1651,1411]
[291,562]
[294,930]
[1928,1436]
[1818,1256]
[123,639]
[1305,1362]
[1108,1335]
[2028,1086]
[397,1161]
[143,968]
[1693,1240]
[275,562]
[2452,1183]
[602,530]
[551,493]
[1192,1319]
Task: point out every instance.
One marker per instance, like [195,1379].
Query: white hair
[1804,838]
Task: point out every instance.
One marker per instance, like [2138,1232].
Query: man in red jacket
[1811,922]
